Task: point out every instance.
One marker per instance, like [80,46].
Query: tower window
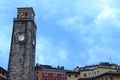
[23,15]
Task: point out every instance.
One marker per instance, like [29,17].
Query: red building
[46,72]
[3,74]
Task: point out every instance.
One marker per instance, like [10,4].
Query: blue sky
[70,33]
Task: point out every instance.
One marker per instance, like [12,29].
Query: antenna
[110,59]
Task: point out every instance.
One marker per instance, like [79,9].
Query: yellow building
[72,75]
[89,72]
[108,76]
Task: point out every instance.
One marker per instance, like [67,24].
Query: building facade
[93,72]
[96,72]
[3,74]
[72,75]
[90,72]
[46,72]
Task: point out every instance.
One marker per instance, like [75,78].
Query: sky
[70,33]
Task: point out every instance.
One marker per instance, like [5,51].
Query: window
[46,74]
[63,75]
[69,75]
[106,78]
[37,78]
[85,75]
[37,72]
[54,79]
[3,73]
[54,74]
[23,15]
[97,72]
[89,74]
[76,76]
[111,78]
[0,71]
[46,78]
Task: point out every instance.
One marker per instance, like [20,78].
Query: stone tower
[23,44]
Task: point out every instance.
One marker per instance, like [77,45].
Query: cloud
[85,32]
[49,53]
[62,54]
[4,47]
[92,28]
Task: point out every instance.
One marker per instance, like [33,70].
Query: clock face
[21,37]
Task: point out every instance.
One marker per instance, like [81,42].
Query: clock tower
[23,44]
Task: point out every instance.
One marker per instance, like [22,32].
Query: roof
[49,68]
[86,78]
[107,73]
[3,69]
[99,67]
[72,72]
[26,8]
